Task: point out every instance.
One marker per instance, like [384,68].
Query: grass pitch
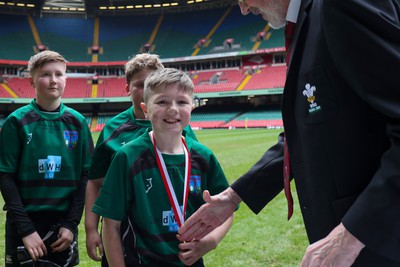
[266,239]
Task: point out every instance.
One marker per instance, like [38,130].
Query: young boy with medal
[154,180]
[118,131]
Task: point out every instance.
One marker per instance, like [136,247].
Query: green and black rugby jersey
[118,131]
[133,188]
[48,151]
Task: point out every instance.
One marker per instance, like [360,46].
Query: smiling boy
[156,181]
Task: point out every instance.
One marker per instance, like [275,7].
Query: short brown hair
[144,61]
[40,59]
[164,77]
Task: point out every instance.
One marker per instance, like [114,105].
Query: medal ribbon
[179,214]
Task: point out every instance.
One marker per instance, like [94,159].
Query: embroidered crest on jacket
[309,93]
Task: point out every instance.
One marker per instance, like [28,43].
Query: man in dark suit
[341,113]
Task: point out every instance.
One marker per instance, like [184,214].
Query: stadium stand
[220,80]
[260,117]
[217,80]
[178,35]
[21,87]
[236,116]
[214,116]
[123,36]
[267,77]
[72,42]
[3,92]
[102,119]
[176,38]
[243,30]
[112,87]
[17,41]
[76,88]
[88,118]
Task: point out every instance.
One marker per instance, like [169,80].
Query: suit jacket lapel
[293,67]
[299,24]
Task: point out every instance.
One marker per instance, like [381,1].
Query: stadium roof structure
[107,7]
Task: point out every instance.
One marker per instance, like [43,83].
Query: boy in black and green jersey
[121,129]
[157,181]
[45,158]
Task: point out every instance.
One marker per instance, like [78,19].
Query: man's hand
[94,245]
[216,211]
[339,248]
[35,246]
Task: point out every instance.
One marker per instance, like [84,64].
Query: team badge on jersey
[71,139]
[309,93]
[195,185]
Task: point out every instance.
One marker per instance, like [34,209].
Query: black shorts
[43,223]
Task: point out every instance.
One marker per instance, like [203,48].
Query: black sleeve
[75,211]
[14,205]
[264,180]
[375,28]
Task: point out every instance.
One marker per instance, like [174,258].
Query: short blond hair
[165,77]
[40,59]
[144,61]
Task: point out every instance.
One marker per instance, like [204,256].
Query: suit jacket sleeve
[356,29]
[264,180]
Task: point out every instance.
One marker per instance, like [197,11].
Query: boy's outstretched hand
[213,213]
[191,252]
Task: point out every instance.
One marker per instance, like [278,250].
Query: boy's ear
[127,89]
[144,108]
[31,81]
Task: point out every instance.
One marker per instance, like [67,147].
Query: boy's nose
[53,78]
[173,108]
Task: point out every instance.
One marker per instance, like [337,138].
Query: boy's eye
[138,85]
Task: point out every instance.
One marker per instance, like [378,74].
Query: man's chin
[276,26]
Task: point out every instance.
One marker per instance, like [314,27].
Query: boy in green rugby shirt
[45,157]
[121,129]
[157,181]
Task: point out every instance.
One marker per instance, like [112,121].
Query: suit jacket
[341,113]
